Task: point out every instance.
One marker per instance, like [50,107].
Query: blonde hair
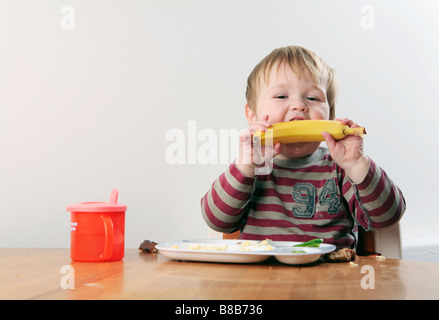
[299,60]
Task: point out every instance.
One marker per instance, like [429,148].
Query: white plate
[231,251]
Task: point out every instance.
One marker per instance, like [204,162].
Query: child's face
[288,97]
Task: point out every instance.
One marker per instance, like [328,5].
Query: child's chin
[298,150]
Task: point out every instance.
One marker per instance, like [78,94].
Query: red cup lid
[111,206]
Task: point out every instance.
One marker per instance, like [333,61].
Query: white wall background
[86,110]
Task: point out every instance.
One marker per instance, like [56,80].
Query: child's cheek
[279,117]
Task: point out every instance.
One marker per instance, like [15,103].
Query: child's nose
[298,106]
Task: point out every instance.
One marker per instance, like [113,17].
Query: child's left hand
[348,153]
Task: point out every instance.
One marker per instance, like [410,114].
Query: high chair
[385,242]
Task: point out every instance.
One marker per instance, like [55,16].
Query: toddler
[311,191]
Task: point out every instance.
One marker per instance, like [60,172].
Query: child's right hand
[252,156]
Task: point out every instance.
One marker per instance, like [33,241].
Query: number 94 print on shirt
[306,199]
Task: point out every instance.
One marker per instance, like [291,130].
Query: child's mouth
[297,119]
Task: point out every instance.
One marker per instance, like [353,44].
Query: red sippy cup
[97,230]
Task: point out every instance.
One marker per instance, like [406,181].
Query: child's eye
[312,99]
[281,96]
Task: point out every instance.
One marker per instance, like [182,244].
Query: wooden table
[48,274]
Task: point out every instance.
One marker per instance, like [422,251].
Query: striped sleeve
[376,202]
[223,206]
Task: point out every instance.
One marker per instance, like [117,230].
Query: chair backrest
[386,242]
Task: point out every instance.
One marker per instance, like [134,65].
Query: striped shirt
[302,199]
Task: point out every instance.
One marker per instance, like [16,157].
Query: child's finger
[354,125]
[277,149]
[245,137]
[244,134]
[349,122]
[265,121]
[343,120]
[245,146]
[258,127]
[330,141]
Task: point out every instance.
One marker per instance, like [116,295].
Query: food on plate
[207,248]
[342,255]
[148,246]
[243,246]
[264,244]
[312,243]
[243,251]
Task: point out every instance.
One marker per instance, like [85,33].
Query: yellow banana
[305,131]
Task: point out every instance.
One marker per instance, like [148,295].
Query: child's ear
[250,115]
